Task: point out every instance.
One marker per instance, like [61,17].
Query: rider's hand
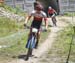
[25,25]
[45,30]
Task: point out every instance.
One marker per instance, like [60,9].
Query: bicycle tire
[29,53]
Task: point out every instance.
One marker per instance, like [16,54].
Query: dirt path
[43,48]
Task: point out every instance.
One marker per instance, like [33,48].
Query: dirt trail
[44,47]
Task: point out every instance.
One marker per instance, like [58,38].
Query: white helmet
[50,7]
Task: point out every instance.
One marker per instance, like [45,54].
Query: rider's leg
[46,24]
[38,38]
[29,37]
[54,21]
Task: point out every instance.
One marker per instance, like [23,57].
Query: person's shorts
[36,24]
[50,15]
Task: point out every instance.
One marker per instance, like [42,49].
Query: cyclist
[37,15]
[52,13]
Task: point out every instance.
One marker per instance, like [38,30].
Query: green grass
[60,48]
[17,47]
[7,26]
[15,10]
[69,14]
[14,36]
[44,36]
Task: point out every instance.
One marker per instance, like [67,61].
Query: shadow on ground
[21,56]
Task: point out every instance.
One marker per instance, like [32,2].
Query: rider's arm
[46,23]
[55,12]
[48,12]
[45,20]
[28,18]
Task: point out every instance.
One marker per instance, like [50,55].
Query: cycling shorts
[36,24]
[50,15]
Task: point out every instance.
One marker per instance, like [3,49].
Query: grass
[44,36]
[14,36]
[15,10]
[69,14]
[7,26]
[60,49]
[17,46]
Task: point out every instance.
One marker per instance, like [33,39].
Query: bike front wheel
[29,54]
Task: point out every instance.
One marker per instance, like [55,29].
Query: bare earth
[46,45]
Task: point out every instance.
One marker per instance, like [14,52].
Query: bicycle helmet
[39,7]
[50,7]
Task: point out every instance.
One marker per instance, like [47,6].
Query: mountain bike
[31,43]
[54,20]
